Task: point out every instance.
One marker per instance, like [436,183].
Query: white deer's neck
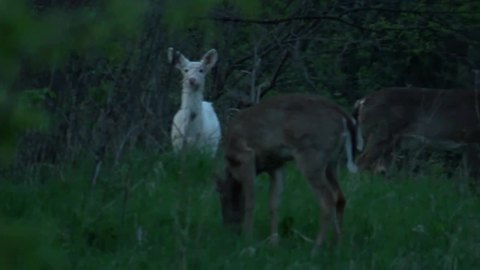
[192,99]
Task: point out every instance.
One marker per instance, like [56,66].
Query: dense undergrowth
[162,212]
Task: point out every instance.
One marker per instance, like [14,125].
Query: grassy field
[159,212]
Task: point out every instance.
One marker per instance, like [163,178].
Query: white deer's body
[202,131]
[196,123]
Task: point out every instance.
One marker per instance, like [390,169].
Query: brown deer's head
[231,200]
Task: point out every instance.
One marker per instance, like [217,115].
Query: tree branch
[410,11]
[282,20]
[276,73]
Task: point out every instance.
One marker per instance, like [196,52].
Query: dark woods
[105,99]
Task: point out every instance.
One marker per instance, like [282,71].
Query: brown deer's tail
[356,108]
[353,135]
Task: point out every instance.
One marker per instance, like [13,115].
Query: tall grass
[162,212]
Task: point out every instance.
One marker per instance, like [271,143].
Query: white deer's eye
[185,70]
[201,70]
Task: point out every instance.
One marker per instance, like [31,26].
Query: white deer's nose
[193,82]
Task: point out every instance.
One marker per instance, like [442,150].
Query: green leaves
[29,247]
[182,14]
[18,115]
[45,37]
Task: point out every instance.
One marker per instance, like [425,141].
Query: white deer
[196,123]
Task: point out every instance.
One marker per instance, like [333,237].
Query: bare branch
[410,11]
[283,20]
[253,76]
[276,73]
[302,66]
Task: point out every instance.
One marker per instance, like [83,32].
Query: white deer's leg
[276,187]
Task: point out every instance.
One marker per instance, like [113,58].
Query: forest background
[87,98]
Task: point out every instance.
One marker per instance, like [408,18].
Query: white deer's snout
[193,83]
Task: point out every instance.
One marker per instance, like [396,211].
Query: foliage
[87,98]
[111,88]
[44,38]
[15,118]
[30,245]
[162,212]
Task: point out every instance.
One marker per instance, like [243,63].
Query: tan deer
[308,129]
[411,118]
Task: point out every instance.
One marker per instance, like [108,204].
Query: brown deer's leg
[313,164]
[248,180]
[378,147]
[471,158]
[339,198]
[326,201]
[370,154]
[276,186]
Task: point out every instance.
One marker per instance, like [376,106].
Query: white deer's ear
[170,55]
[176,58]
[210,58]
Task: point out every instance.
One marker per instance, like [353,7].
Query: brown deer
[394,118]
[308,129]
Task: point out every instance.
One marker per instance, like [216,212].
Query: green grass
[162,212]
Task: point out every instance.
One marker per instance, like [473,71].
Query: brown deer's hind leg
[313,165]
[370,154]
[471,158]
[378,147]
[339,198]
[276,186]
[249,189]
[244,170]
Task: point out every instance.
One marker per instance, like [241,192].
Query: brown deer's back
[281,124]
